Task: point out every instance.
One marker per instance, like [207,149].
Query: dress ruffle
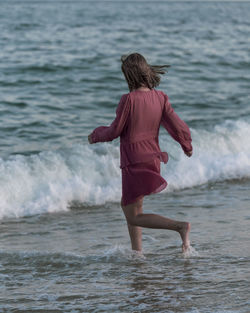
[141,179]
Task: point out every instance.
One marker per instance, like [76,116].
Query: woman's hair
[139,73]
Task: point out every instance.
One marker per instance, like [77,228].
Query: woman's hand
[189,153]
[90,139]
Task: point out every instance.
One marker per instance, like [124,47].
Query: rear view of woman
[138,118]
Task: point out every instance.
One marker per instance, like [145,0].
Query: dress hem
[157,190]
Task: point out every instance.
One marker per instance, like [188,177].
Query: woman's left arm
[176,127]
[108,133]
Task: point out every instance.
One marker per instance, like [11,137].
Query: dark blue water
[63,240]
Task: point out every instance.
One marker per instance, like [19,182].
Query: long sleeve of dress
[108,133]
[176,127]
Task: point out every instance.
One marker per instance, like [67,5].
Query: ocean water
[64,245]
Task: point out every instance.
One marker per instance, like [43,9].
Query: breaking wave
[51,180]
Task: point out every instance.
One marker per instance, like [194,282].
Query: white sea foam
[49,181]
[220,154]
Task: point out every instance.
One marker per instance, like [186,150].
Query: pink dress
[138,119]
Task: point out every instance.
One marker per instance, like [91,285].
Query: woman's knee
[131,216]
[131,212]
[131,220]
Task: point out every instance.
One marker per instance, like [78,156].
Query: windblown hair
[139,73]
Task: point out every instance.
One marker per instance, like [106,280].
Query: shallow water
[80,261]
[64,245]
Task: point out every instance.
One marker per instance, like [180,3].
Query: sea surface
[64,245]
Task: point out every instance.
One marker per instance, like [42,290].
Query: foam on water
[220,154]
[50,181]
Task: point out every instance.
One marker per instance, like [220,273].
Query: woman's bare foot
[184,233]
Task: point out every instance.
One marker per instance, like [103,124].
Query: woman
[138,118]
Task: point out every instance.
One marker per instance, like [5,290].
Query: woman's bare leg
[135,217]
[135,232]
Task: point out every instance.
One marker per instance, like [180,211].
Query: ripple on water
[117,279]
[17,104]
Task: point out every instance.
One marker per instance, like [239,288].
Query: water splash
[123,253]
[190,253]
